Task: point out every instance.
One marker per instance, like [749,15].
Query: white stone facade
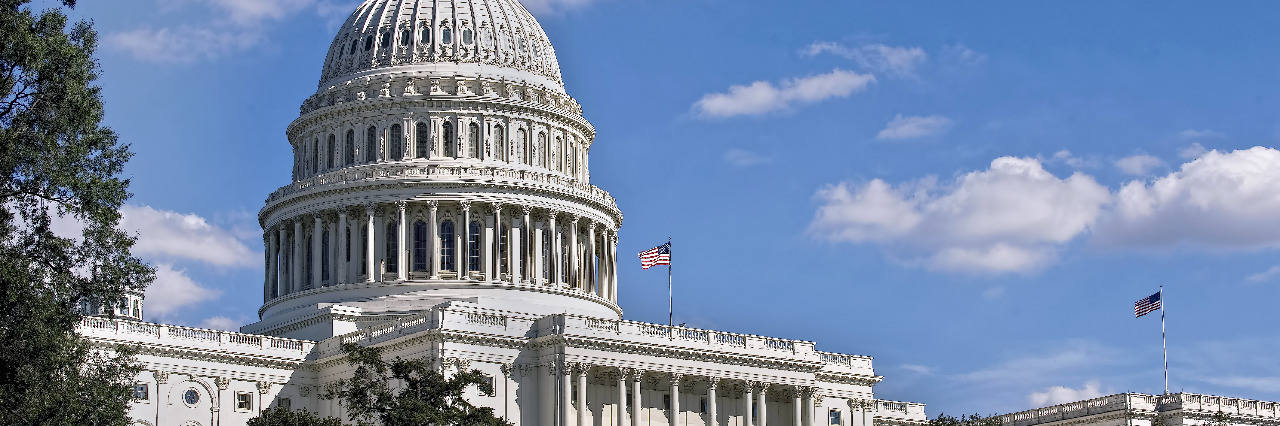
[441,207]
[1136,409]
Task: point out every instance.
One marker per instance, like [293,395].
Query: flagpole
[670,304]
[1164,345]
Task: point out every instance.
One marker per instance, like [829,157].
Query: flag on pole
[660,255]
[1146,305]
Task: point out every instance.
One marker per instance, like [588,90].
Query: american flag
[1147,305]
[660,255]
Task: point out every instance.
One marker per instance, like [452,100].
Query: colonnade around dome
[441,241]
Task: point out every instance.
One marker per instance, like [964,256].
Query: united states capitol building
[441,208]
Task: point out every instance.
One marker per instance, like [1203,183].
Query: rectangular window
[703,407]
[244,401]
[835,416]
[284,403]
[492,390]
[666,402]
[140,391]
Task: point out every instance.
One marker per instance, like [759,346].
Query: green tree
[424,396]
[57,160]
[286,417]
[966,420]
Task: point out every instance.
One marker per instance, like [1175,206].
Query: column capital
[496,206]
[466,205]
[264,387]
[222,382]
[369,208]
[342,213]
[758,387]
[401,205]
[675,377]
[573,219]
[713,382]
[434,205]
[636,375]
[526,209]
[579,368]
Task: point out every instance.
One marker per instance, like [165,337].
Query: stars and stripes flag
[660,255]
[1146,305]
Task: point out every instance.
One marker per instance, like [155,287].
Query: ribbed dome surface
[391,33]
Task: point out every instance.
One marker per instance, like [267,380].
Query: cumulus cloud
[1219,200]
[763,97]
[1061,394]
[913,127]
[221,323]
[168,234]
[744,158]
[1012,217]
[961,54]
[1266,275]
[895,61]
[1066,157]
[1138,165]
[1192,152]
[231,26]
[174,290]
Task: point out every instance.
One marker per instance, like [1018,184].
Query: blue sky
[974,193]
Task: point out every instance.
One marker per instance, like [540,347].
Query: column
[566,394]
[464,248]
[748,394]
[581,371]
[572,269]
[635,397]
[281,285]
[593,278]
[553,266]
[674,416]
[402,261]
[273,263]
[622,397]
[296,277]
[761,404]
[368,242]
[434,239]
[712,384]
[613,266]
[493,266]
[797,408]
[526,231]
[342,254]
[317,236]
[535,250]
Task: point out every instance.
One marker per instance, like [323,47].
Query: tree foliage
[285,417]
[423,396]
[56,160]
[966,420]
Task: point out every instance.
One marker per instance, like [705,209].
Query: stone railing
[1215,404]
[1088,407]
[196,338]
[478,174]
[381,332]
[899,410]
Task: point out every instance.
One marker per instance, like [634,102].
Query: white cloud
[1061,394]
[1201,134]
[1266,275]
[763,97]
[542,7]
[1138,165]
[1192,152]
[918,369]
[221,323]
[169,234]
[961,54]
[1069,360]
[896,61]
[1012,217]
[1269,384]
[914,127]
[173,290]
[231,26]
[1065,156]
[1221,200]
[744,158]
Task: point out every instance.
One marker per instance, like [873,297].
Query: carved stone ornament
[162,377]
[222,382]
[264,388]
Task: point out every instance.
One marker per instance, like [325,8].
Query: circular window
[191,396]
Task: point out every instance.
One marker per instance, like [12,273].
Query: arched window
[346,247]
[310,263]
[524,249]
[473,140]
[447,140]
[563,264]
[354,43]
[349,148]
[392,254]
[473,246]
[333,148]
[364,250]
[446,36]
[522,146]
[466,36]
[420,140]
[426,34]
[368,43]
[405,36]
[386,39]
[503,248]
[315,156]
[542,150]
[420,246]
[546,254]
[397,142]
[446,246]
[500,143]
[371,145]
[557,155]
[324,256]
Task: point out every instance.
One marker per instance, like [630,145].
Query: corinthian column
[581,371]
[435,240]
[369,230]
[712,384]
[296,277]
[282,286]
[463,253]
[592,283]
[553,267]
[748,394]
[402,263]
[571,270]
[622,397]
[343,255]
[635,397]
[675,399]
[317,237]
[761,402]
[493,264]
[526,234]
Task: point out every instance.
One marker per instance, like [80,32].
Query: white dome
[491,36]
